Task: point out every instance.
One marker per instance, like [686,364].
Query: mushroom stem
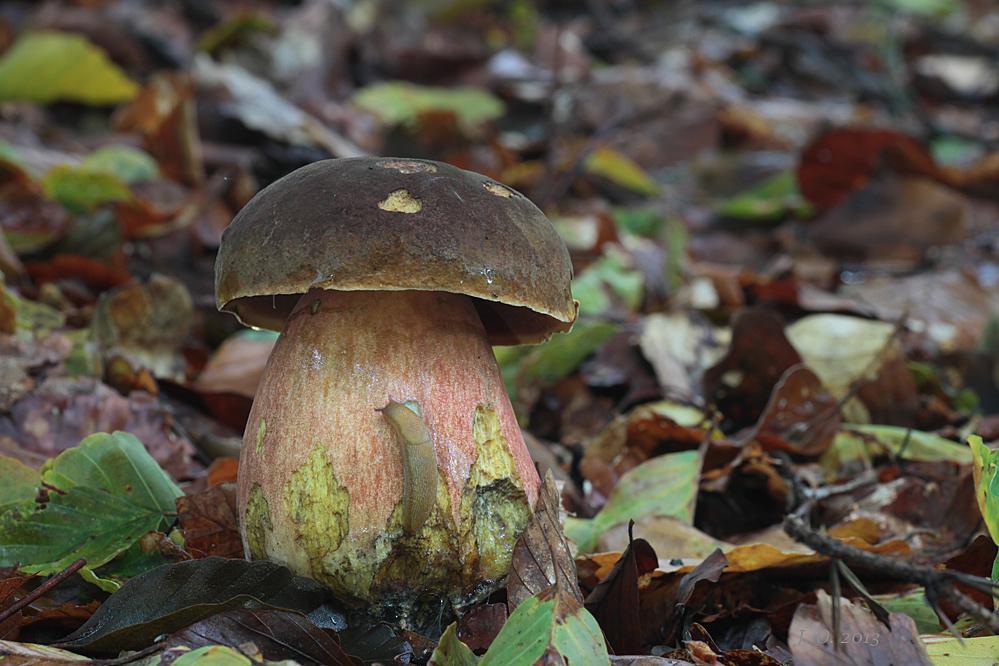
[321,482]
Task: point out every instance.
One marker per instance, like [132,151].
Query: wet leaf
[480,624]
[541,555]
[44,67]
[863,442]
[842,161]
[801,416]
[29,653]
[176,595]
[662,486]
[740,383]
[210,522]
[663,603]
[278,635]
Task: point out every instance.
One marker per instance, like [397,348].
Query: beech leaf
[174,596]
[541,549]
[551,627]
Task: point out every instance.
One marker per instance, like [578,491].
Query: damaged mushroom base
[417,576]
[322,483]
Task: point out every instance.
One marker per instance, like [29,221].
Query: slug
[419,464]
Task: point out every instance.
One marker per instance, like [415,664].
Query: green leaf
[770,200]
[548,624]
[44,67]
[85,522]
[945,650]
[106,493]
[174,596]
[863,442]
[612,273]
[915,605]
[400,103]
[620,170]
[452,652]
[126,163]
[20,484]
[81,190]
[118,463]
[986,473]
[662,486]
[213,655]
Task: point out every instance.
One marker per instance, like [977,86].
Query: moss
[256,521]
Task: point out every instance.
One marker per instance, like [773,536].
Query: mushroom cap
[377,223]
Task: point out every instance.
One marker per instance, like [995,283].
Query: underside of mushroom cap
[390,224]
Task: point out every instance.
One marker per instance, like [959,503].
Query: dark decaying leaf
[862,640]
[540,550]
[209,521]
[801,415]
[173,596]
[277,635]
[375,643]
[740,384]
[480,624]
[662,608]
[614,601]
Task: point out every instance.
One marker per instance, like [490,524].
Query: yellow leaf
[622,170]
[44,67]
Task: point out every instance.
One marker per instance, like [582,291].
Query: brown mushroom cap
[375,223]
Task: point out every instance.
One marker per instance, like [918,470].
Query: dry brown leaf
[210,522]
[540,551]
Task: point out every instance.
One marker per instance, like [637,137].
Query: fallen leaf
[209,520]
[614,602]
[173,596]
[44,67]
[541,555]
[859,639]
[276,635]
[740,384]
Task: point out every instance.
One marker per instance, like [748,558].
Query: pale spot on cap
[401,201]
[499,190]
[408,166]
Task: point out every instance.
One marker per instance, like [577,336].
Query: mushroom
[382,456]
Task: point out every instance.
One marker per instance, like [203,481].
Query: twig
[43,588]
[937,583]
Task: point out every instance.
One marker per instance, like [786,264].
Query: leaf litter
[782,220]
